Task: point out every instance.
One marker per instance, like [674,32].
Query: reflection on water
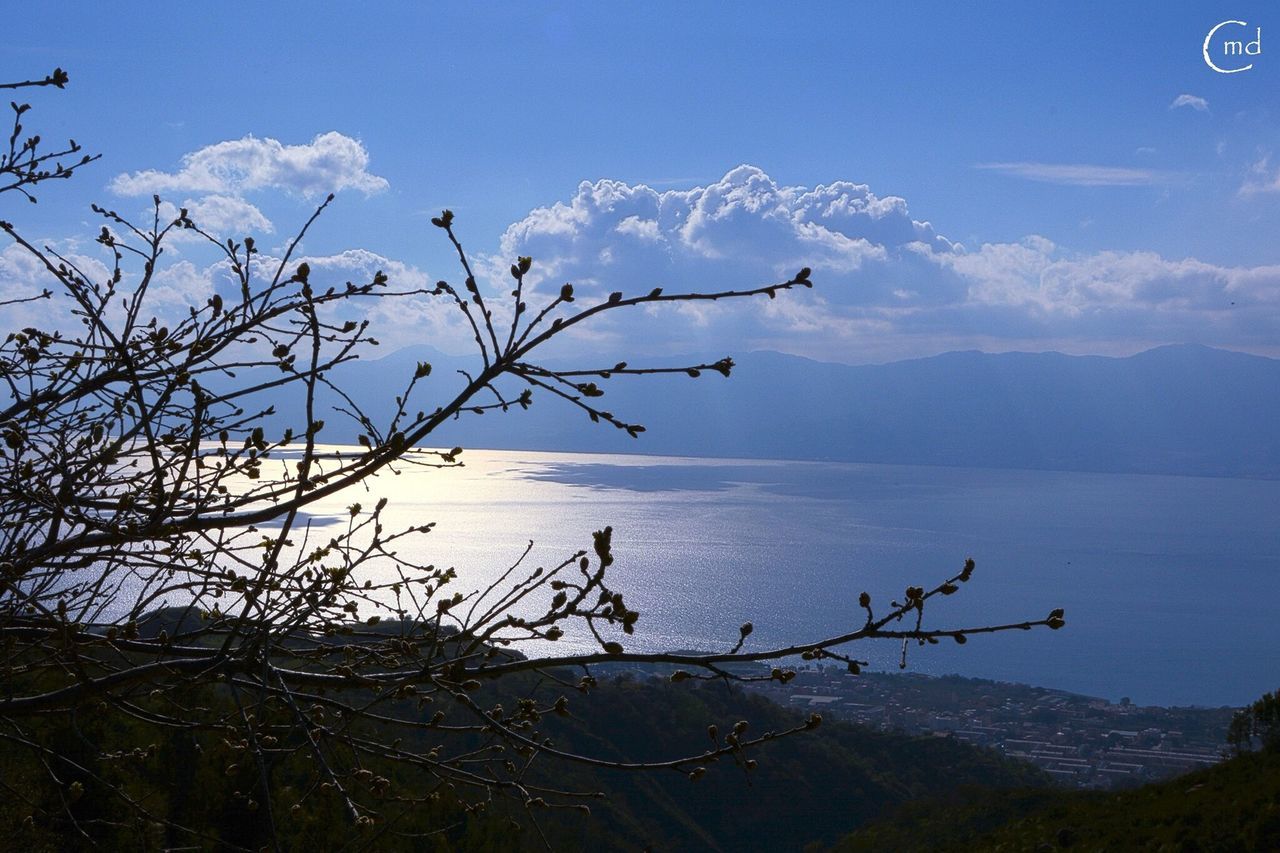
[1167,581]
[816,480]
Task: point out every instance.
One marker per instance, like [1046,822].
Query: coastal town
[1082,741]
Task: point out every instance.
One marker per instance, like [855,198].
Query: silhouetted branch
[138,583]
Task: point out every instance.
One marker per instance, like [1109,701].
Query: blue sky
[998,176]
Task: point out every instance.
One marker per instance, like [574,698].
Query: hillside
[812,787]
[1234,806]
[809,788]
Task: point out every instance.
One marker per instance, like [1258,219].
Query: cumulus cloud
[408,317]
[176,288]
[1193,101]
[1075,174]
[23,275]
[329,163]
[220,215]
[744,224]
[888,283]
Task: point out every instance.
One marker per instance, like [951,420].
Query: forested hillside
[808,788]
[1234,807]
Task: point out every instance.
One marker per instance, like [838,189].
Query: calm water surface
[1170,584]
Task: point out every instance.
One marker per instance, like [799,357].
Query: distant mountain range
[1182,409]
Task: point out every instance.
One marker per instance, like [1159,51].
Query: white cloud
[411,317]
[1193,101]
[887,284]
[22,276]
[395,320]
[1075,174]
[175,288]
[1113,297]
[1262,178]
[645,229]
[329,163]
[221,216]
[742,224]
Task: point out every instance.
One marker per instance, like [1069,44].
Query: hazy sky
[998,176]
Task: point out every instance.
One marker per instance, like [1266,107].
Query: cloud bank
[888,284]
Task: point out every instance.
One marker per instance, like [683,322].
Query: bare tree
[135,473]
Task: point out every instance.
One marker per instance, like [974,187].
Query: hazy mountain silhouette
[1182,409]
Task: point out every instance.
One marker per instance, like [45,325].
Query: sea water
[1170,584]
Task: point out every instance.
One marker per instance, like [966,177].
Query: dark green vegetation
[812,788]
[1260,721]
[1232,807]
[803,790]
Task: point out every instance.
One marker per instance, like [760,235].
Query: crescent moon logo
[1208,60]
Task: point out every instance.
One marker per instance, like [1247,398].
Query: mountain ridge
[1181,409]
